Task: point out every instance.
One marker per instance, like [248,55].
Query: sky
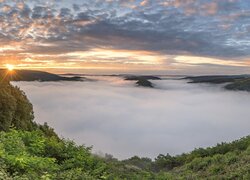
[117,36]
[116,117]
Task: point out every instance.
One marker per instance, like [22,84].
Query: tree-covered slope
[32,151]
[32,155]
[224,161]
[15,110]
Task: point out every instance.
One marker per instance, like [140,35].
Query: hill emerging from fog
[143,81]
[216,79]
[31,75]
[233,82]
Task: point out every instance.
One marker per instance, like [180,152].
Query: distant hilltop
[234,82]
[142,80]
[32,75]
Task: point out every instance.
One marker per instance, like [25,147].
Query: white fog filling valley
[116,117]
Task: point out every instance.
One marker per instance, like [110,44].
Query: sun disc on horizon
[10,67]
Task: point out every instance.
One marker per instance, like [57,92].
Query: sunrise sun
[10,67]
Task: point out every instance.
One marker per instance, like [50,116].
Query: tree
[15,109]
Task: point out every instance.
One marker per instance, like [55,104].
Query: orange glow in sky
[110,60]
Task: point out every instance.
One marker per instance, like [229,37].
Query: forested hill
[32,151]
[31,75]
[233,82]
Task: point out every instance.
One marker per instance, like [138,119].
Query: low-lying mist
[123,120]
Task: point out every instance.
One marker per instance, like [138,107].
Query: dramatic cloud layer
[146,34]
[118,118]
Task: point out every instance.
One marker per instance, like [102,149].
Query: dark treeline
[32,151]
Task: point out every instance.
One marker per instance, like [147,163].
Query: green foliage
[15,109]
[165,162]
[17,112]
[28,154]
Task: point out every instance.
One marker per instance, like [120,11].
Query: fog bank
[123,120]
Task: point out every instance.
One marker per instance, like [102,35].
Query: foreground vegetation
[32,151]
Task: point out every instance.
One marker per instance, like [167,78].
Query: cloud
[218,29]
[118,118]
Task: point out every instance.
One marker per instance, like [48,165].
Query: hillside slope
[224,161]
[239,85]
[31,75]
